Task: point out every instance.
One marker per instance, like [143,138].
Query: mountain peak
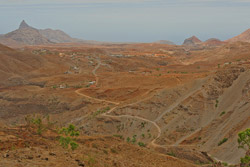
[192,41]
[23,25]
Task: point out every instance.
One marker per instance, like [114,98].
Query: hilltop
[192,41]
[27,35]
[243,37]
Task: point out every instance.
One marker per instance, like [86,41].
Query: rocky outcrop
[24,25]
[192,41]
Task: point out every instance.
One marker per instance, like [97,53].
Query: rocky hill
[192,41]
[243,37]
[58,36]
[15,64]
[27,35]
[213,42]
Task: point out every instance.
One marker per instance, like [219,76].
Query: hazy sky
[131,20]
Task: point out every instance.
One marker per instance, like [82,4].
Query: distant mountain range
[27,35]
[194,41]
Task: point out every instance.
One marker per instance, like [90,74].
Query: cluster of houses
[75,70]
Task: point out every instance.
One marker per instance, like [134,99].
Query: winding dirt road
[154,123]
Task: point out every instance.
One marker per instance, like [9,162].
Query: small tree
[69,137]
[244,143]
[36,122]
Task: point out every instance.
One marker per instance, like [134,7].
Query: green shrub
[245,160]
[223,113]
[91,161]
[134,139]
[54,86]
[143,124]
[141,144]
[171,154]
[244,139]
[225,164]
[244,143]
[68,137]
[222,141]
[37,122]
[101,111]
[216,103]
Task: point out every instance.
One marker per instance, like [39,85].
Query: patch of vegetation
[222,113]
[91,161]
[143,124]
[37,122]
[39,125]
[68,137]
[134,139]
[54,86]
[171,154]
[149,135]
[222,141]
[224,163]
[216,103]
[244,143]
[128,139]
[141,144]
[101,111]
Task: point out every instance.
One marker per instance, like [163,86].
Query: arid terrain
[177,102]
